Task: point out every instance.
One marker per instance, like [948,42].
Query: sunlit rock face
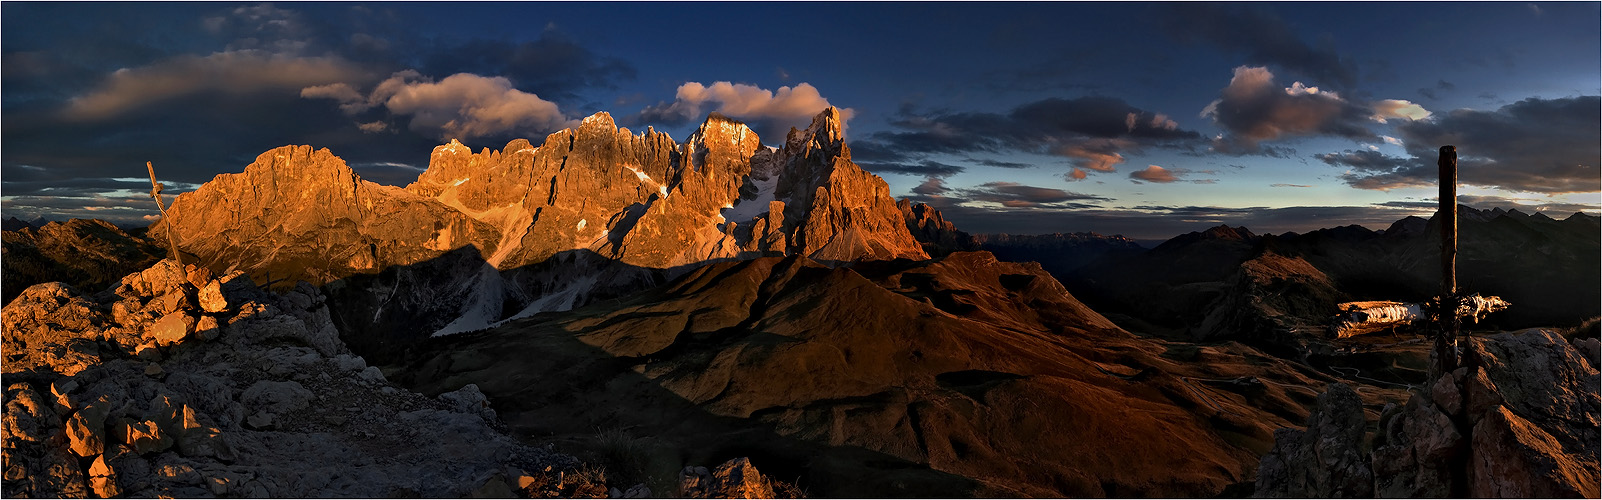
[621,210]
[301,214]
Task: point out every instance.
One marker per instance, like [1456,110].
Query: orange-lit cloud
[460,106]
[1254,109]
[235,72]
[1153,173]
[787,105]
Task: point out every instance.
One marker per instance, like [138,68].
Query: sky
[1142,119]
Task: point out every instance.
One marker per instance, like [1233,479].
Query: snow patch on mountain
[483,304]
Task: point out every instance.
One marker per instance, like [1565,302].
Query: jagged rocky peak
[937,235]
[843,212]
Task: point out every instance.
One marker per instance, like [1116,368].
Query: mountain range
[718,299]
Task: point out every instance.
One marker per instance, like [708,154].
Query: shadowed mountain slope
[958,376]
[88,254]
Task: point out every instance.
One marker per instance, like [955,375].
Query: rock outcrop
[85,253]
[1519,420]
[251,394]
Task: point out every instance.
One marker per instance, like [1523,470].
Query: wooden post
[1446,342]
[155,192]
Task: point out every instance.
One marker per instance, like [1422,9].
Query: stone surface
[1514,458]
[1326,460]
[735,478]
[1527,427]
[198,429]
[172,328]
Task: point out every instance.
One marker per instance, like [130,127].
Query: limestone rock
[28,416]
[735,478]
[226,293]
[86,430]
[277,397]
[172,328]
[1514,458]
[469,400]
[1326,460]
[103,480]
[1526,406]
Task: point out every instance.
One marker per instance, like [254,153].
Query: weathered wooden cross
[155,192]
[1446,341]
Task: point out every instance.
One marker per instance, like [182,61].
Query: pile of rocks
[176,382]
[1518,419]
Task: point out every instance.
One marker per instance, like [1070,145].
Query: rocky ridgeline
[592,212]
[642,200]
[1518,420]
[84,253]
[938,236]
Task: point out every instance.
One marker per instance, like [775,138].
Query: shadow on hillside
[549,386]
[379,315]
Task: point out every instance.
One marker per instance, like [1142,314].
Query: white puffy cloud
[1398,108]
[785,106]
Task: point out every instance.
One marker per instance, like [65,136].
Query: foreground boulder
[1518,419]
[100,402]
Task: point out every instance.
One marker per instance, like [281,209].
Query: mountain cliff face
[623,209]
[301,214]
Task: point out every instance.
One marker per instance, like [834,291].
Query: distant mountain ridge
[87,254]
[1548,269]
[1058,253]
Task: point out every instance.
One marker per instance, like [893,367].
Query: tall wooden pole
[1446,343]
[155,192]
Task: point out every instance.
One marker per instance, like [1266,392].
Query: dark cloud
[554,67]
[1254,108]
[1554,209]
[932,186]
[1153,224]
[1092,132]
[1011,194]
[924,168]
[1534,145]
[1433,92]
[1261,37]
[1160,175]
[1283,185]
[1365,160]
[1000,164]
